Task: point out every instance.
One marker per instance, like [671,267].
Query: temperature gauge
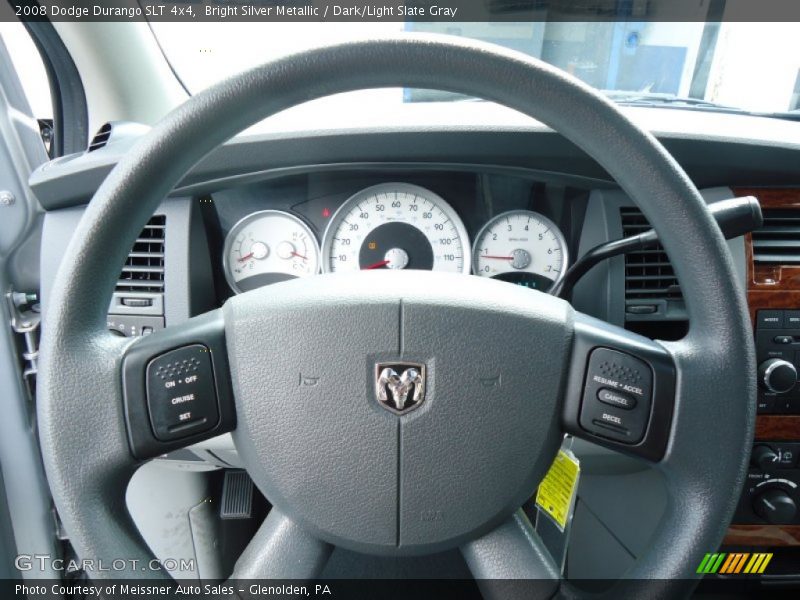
[267,247]
[521,247]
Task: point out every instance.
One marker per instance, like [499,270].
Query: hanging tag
[558,490]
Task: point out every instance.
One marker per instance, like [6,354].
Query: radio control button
[777,375]
[769,319]
[791,319]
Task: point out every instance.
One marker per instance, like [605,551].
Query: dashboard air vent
[778,241]
[648,273]
[144,269]
[100,139]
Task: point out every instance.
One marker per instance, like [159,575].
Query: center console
[778,355]
[768,513]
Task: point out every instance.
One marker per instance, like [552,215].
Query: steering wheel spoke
[511,561]
[177,386]
[282,549]
[620,390]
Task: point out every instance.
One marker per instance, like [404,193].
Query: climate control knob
[764,458]
[775,506]
[777,375]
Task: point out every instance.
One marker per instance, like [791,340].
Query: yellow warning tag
[556,495]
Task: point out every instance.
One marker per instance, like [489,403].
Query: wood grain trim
[776,287]
[762,535]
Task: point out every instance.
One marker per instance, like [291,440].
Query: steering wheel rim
[714,404]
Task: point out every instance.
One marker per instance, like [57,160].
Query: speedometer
[396,226]
[521,247]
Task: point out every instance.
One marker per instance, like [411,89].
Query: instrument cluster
[395,226]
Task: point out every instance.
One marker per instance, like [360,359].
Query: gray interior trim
[715,403]
[187,262]
[282,550]
[23,474]
[541,152]
[601,292]
[28,496]
[512,551]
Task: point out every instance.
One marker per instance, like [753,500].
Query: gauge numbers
[396,226]
[267,247]
[521,247]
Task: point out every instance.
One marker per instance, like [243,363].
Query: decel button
[181,394]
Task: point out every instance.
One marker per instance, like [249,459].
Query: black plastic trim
[591,333]
[70,115]
[207,329]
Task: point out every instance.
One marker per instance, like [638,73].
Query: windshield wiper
[662,99]
[672,101]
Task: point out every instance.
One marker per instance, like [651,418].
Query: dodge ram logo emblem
[400,387]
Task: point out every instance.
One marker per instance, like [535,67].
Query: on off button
[181,393]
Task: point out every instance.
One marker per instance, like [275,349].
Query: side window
[30,69]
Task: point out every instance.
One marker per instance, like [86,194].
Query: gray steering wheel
[338,468]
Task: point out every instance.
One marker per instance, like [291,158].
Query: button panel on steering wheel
[181,396]
[617,396]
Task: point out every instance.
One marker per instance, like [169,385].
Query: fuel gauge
[267,247]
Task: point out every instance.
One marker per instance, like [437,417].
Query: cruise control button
[615,398]
[611,419]
[181,393]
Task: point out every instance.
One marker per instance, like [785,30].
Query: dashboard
[473,223]
[267,208]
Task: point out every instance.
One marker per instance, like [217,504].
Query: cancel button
[615,398]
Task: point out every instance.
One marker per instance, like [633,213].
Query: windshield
[749,66]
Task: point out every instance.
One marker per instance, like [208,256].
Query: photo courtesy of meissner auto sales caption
[353,300]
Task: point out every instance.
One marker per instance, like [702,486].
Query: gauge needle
[245,257]
[377,265]
[299,255]
[499,257]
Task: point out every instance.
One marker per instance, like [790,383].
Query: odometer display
[521,247]
[396,226]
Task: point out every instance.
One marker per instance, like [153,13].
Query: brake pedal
[237,495]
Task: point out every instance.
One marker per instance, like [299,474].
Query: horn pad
[307,358]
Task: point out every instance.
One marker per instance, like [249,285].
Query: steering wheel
[291,368]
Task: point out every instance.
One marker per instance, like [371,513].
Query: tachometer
[269,246]
[396,226]
[521,247]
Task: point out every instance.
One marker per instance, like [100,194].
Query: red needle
[245,257]
[499,257]
[299,255]
[377,265]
